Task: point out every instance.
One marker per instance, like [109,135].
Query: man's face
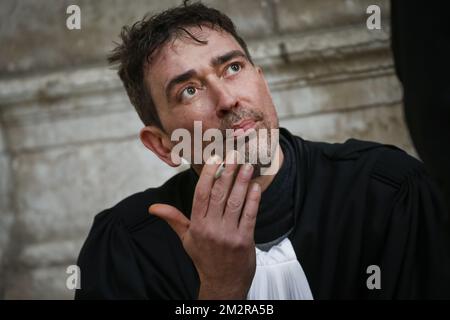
[213,83]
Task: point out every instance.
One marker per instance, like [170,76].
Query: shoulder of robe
[394,165]
[132,212]
[387,163]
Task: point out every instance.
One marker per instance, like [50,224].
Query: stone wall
[69,137]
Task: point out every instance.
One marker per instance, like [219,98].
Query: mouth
[243,126]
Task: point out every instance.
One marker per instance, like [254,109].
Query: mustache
[230,119]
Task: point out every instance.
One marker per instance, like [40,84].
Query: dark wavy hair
[143,38]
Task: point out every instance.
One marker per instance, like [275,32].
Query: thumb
[174,217]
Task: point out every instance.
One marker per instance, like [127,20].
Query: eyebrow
[227,57]
[217,61]
[179,79]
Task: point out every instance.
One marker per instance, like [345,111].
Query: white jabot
[279,275]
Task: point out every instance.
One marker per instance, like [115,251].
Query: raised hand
[219,238]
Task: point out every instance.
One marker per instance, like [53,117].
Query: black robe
[356,204]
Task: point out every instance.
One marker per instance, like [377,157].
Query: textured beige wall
[69,137]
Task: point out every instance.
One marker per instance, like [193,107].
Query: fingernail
[219,170]
[247,168]
[215,159]
[256,187]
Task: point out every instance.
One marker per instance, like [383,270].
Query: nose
[224,98]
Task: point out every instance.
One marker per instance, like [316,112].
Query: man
[352,220]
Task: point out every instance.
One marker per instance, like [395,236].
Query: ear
[158,142]
[261,74]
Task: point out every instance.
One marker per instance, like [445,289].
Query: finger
[222,187]
[203,188]
[247,221]
[174,217]
[237,196]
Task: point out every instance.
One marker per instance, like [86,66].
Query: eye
[234,68]
[188,92]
